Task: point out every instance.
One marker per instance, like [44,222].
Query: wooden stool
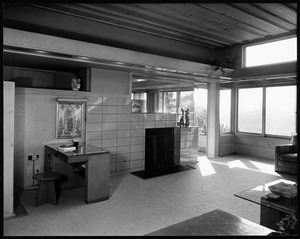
[49,187]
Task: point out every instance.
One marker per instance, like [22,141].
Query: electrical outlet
[29,157]
[36,169]
[29,169]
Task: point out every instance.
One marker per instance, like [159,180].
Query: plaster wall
[8,147]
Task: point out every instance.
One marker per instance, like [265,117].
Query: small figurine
[187,120]
[181,122]
[75,83]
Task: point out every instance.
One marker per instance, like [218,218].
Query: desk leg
[97,177]
[48,159]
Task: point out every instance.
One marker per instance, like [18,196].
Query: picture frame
[70,118]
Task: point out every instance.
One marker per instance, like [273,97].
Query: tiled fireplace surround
[111,126]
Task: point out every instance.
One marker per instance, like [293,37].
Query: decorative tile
[149,124]
[109,117]
[136,148]
[123,141]
[123,150]
[124,109]
[110,109]
[160,117]
[137,140]
[123,125]
[137,132]
[123,133]
[109,126]
[149,117]
[160,124]
[90,135]
[136,156]
[95,142]
[109,142]
[137,125]
[93,118]
[124,117]
[110,134]
[94,127]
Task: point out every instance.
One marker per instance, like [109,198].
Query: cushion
[292,158]
[294,140]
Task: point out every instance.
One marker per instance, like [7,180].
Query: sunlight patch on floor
[236,164]
[205,166]
[266,168]
[260,167]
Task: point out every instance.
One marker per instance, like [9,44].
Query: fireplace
[160,157]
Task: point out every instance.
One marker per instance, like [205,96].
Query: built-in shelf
[45,79]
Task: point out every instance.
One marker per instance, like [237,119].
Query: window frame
[263,133]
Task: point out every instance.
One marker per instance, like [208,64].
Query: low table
[214,223]
[271,211]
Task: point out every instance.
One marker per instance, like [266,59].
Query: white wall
[8,147]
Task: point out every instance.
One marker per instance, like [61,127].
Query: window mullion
[264,112]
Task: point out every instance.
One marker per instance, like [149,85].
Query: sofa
[286,157]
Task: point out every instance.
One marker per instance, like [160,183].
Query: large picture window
[280,110]
[250,110]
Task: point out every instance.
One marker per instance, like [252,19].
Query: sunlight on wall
[205,166]
[98,102]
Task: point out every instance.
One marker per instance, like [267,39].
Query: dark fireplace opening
[159,153]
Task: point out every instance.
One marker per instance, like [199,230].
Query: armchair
[286,157]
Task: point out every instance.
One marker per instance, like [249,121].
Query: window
[225,111]
[200,113]
[170,102]
[250,110]
[281,110]
[138,102]
[271,52]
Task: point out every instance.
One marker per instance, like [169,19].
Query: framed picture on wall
[70,118]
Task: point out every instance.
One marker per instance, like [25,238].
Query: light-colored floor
[138,206]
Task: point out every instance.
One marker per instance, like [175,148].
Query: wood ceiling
[211,25]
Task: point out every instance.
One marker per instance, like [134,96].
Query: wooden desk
[214,223]
[97,168]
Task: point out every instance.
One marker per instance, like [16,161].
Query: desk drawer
[77,159]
